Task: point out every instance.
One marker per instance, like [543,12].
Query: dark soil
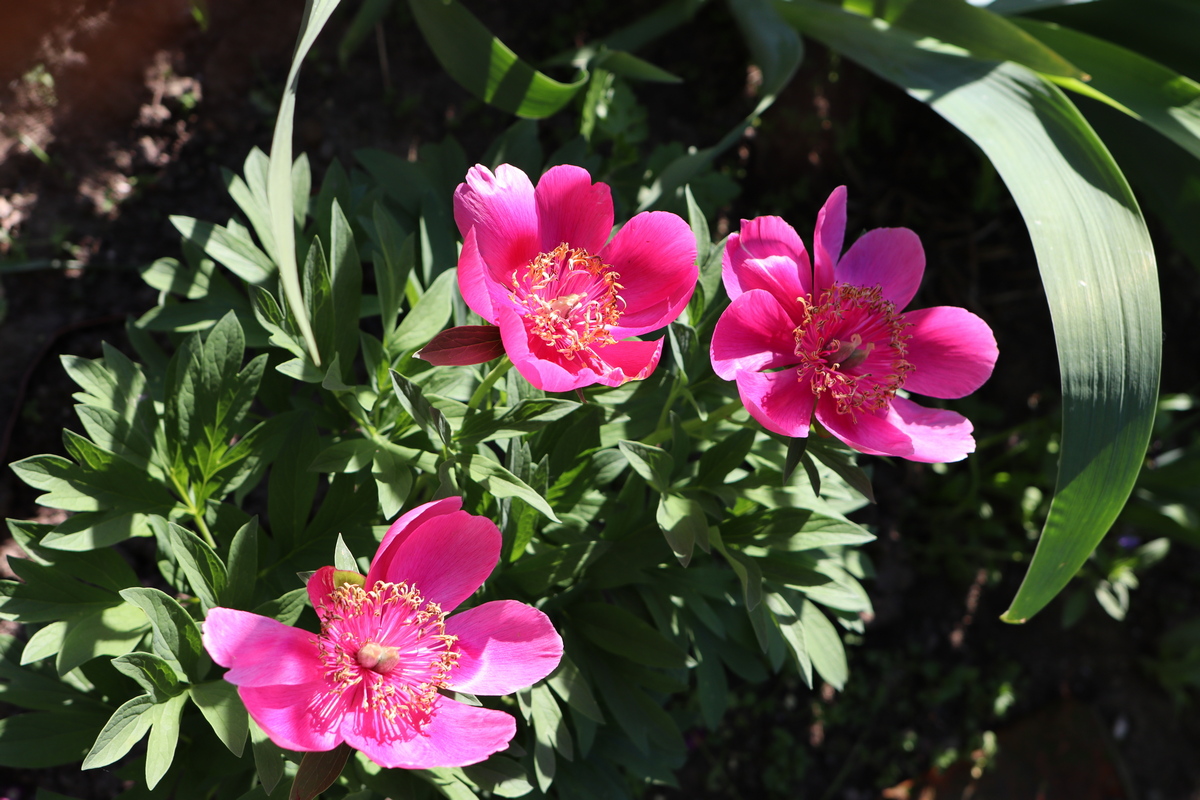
[116,113]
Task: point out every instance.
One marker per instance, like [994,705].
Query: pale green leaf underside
[1095,257]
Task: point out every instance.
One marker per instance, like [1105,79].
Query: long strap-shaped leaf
[1095,257]
[279,174]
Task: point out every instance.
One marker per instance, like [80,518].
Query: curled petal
[890,258]
[259,651]
[502,209]
[572,210]
[629,361]
[446,557]
[952,351]
[766,253]
[753,334]
[828,238]
[655,255]
[457,736]
[777,400]
[305,717]
[539,363]
[504,646]
[937,435]
[867,432]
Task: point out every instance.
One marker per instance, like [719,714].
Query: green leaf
[428,316]
[46,739]
[618,631]
[346,288]
[164,736]
[243,567]
[504,423]
[568,684]
[268,758]
[652,463]
[176,636]
[280,191]
[393,481]
[234,250]
[168,275]
[1095,257]
[793,634]
[684,523]
[218,701]
[155,675]
[396,252]
[824,645]
[350,455]
[498,481]
[1144,89]
[985,35]
[204,570]
[113,631]
[124,729]
[484,65]
[427,418]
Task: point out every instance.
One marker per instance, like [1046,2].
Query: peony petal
[504,646]
[655,254]
[777,400]
[459,735]
[303,717]
[629,361]
[474,278]
[952,351]
[873,434]
[320,586]
[572,210]
[502,209]
[537,362]
[753,334]
[400,530]
[937,435]
[259,651]
[890,258]
[760,240]
[828,237]
[446,557]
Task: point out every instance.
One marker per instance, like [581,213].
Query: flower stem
[496,374]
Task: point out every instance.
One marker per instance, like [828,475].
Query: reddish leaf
[318,771]
[466,344]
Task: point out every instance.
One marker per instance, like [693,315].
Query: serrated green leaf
[218,701]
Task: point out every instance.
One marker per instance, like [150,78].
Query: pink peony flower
[830,339]
[373,677]
[535,263]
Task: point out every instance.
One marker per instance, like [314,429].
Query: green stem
[186,496]
[496,374]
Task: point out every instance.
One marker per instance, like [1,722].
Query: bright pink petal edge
[573,210]
[952,351]
[504,646]
[259,651]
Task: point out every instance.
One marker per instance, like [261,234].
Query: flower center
[569,299]
[851,343]
[385,650]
